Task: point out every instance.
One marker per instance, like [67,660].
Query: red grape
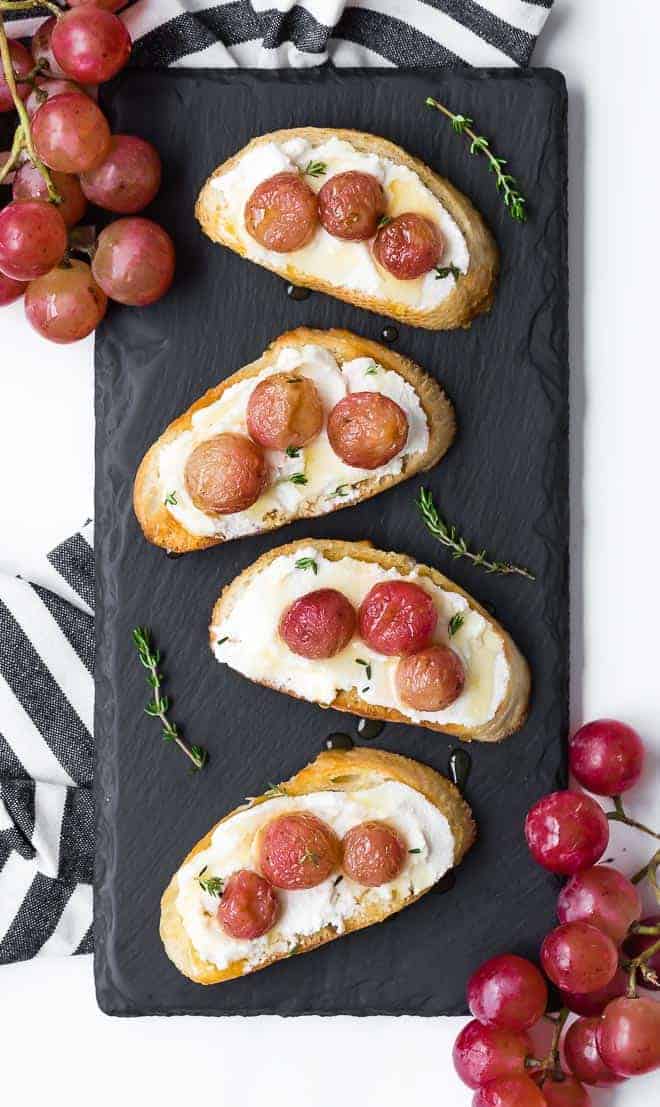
[637,943]
[628,1036]
[578,957]
[606,757]
[509,1091]
[508,992]
[30,185]
[32,239]
[566,832]
[582,1056]
[21,63]
[594,1003]
[603,897]
[45,89]
[91,44]
[66,304]
[127,179]
[42,50]
[134,261]
[71,134]
[10,290]
[483,1052]
[566,1092]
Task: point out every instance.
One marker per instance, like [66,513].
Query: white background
[53,1039]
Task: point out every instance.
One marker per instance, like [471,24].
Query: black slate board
[504,483]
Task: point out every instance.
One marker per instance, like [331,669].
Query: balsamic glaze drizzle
[389,334]
[296,292]
[338,741]
[370,729]
[460,764]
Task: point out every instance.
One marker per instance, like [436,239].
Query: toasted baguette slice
[513,706]
[473,292]
[343,771]
[163,529]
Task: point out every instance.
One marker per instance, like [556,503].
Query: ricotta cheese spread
[326,478]
[339,262]
[234,846]
[247,640]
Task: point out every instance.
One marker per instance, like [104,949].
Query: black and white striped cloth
[46,754]
[274,33]
[47,626]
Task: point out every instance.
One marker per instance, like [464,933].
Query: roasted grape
[298,850]
[134,261]
[29,184]
[430,680]
[71,134]
[66,304]
[482,1053]
[127,179]
[606,757]
[350,205]
[281,214]
[226,473]
[566,832]
[628,1036]
[409,246]
[603,897]
[578,957]
[284,412]
[397,617]
[508,992]
[249,906]
[90,44]
[582,1056]
[367,429]
[374,853]
[32,239]
[319,624]
[21,63]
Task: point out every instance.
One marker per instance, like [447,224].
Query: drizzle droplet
[370,729]
[460,764]
[295,292]
[389,334]
[338,741]
[172,555]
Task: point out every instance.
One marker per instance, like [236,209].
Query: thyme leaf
[171,498]
[455,624]
[159,705]
[451,270]
[214,885]
[298,478]
[315,169]
[307,563]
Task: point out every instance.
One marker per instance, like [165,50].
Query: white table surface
[53,1039]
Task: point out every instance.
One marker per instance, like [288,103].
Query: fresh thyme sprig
[292,451]
[455,624]
[159,705]
[451,270]
[214,885]
[448,536]
[307,563]
[514,201]
[298,478]
[315,169]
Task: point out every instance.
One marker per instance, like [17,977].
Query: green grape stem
[24,131]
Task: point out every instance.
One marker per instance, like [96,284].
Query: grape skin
[66,304]
[32,239]
[127,179]
[578,957]
[70,133]
[603,897]
[566,832]
[508,992]
[134,261]
[606,757]
[91,45]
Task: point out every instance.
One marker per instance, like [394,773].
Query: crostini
[375,634]
[355,216]
[351,839]
[322,420]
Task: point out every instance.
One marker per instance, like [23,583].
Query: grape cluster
[601,958]
[62,158]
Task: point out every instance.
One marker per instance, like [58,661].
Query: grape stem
[17,145]
[620,816]
[25,5]
[550,1063]
[24,119]
[638,962]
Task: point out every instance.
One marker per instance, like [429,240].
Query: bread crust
[333,770]
[162,529]
[474,292]
[514,707]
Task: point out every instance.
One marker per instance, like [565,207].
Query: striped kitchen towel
[46,751]
[47,623]
[272,33]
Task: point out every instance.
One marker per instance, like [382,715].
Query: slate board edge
[109,996]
